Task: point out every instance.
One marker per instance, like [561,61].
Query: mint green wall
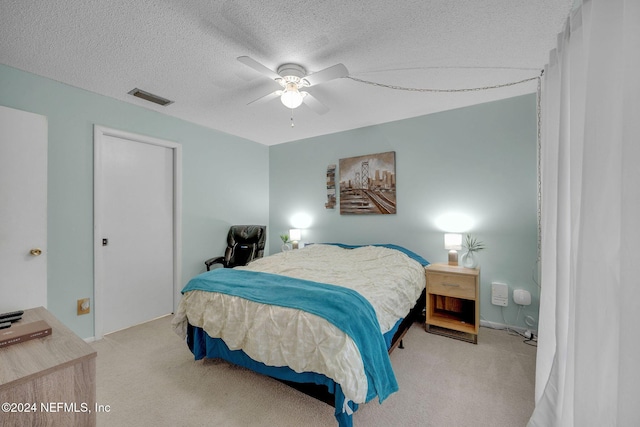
[480,161]
[211,200]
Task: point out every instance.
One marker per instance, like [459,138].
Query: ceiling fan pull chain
[292,125]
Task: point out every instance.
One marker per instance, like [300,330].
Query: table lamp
[295,235]
[453,243]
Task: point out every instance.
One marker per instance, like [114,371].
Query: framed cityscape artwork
[368,184]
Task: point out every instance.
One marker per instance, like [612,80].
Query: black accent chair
[244,244]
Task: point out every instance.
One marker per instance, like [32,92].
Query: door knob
[35,252]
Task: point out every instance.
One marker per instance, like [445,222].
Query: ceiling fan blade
[268,97]
[313,103]
[250,62]
[334,72]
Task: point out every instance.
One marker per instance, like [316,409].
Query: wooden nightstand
[453,301]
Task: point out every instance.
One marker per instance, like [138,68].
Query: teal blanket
[345,308]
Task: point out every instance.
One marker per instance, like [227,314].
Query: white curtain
[588,362]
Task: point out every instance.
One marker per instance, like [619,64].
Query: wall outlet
[499,294]
[84,306]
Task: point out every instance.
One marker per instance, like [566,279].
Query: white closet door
[136,201]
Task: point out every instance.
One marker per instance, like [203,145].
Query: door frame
[99,134]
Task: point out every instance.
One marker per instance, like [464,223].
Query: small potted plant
[472,245]
[285,242]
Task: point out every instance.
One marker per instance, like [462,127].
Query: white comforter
[279,336]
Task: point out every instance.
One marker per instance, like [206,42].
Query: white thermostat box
[499,294]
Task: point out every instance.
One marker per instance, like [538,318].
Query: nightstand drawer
[452,285]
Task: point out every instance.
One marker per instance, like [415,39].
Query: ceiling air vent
[150,97]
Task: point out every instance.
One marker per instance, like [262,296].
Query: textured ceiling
[186,50]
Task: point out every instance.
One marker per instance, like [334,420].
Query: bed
[323,318]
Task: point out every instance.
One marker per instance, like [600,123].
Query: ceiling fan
[293,78]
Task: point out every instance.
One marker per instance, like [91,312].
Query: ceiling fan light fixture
[291,96]
[293,79]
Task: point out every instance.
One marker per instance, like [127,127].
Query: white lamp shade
[295,234]
[453,241]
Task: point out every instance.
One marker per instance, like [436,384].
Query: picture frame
[368,184]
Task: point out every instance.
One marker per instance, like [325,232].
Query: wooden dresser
[48,381]
[453,301]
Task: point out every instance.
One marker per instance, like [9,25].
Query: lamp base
[453,257]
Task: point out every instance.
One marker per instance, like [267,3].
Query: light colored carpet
[148,377]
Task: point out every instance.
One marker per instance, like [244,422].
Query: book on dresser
[18,333]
